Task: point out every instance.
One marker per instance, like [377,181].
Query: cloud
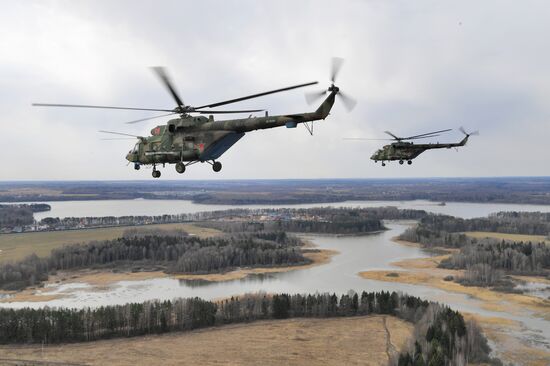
[413,67]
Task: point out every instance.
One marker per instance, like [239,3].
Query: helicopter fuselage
[200,139]
[407,151]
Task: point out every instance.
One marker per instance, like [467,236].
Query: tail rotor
[468,134]
[348,101]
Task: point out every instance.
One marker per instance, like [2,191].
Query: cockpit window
[136,148]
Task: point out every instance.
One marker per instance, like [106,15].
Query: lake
[144,207]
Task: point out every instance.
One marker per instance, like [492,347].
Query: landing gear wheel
[156,173]
[383,164]
[137,166]
[409,162]
[180,167]
[400,162]
[217,166]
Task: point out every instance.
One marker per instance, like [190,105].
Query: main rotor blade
[120,133]
[426,134]
[149,118]
[392,135]
[337,63]
[348,101]
[313,96]
[118,138]
[417,138]
[224,112]
[99,106]
[365,138]
[161,73]
[255,95]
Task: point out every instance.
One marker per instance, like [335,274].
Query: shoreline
[425,272]
[100,280]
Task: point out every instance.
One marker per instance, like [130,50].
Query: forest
[487,260]
[20,214]
[442,336]
[313,219]
[177,254]
[528,223]
[322,220]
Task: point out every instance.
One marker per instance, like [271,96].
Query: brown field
[514,237]
[338,341]
[17,246]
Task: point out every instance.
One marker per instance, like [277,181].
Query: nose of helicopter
[131,157]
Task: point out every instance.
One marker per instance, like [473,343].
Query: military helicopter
[403,150]
[193,138]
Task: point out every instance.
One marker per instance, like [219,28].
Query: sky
[413,67]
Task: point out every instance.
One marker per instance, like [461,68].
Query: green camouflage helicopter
[403,150]
[191,138]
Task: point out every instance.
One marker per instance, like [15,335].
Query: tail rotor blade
[337,63]
[348,101]
[475,133]
[313,96]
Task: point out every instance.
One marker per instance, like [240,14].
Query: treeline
[20,215]
[528,223]
[324,220]
[354,215]
[490,190]
[447,231]
[15,215]
[321,226]
[485,262]
[442,337]
[187,254]
[447,339]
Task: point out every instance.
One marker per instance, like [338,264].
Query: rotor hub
[333,88]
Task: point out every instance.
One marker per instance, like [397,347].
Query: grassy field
[515,237]
[17,246]
[336,341]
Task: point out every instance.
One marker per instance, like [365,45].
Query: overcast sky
[413,66]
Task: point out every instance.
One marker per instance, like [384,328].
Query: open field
[335,341]
[514,237]
[17,246]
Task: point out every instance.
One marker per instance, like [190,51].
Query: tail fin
[326,106]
